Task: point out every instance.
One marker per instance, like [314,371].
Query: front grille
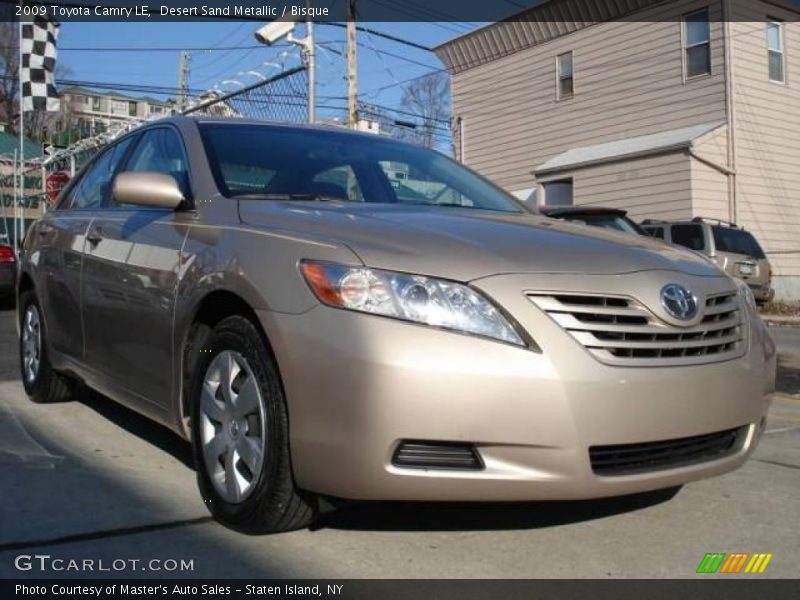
[621,331]
[626,459]
[436,455]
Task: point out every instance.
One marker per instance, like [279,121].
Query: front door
[130,277]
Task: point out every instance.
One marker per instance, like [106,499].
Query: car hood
[467,244]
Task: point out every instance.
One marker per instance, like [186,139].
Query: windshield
[736,241]
[307,164]
[615,222]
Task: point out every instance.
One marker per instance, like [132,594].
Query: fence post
[45,202]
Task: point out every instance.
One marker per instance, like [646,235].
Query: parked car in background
[732,248]
[316,331]
[8,272]
[596,216]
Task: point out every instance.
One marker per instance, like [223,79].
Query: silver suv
[732,248]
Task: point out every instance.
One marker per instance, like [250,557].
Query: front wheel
[41,382]
[240,433]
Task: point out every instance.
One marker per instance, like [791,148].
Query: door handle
[95,236]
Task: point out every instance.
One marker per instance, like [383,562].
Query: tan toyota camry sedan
[332,314]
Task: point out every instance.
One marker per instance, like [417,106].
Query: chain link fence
[283,98]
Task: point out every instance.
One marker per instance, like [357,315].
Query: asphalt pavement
[89,480]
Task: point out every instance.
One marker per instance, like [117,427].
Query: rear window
[736,241]
[690,236]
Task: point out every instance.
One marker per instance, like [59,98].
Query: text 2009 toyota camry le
[323,312]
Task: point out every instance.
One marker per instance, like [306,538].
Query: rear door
[130,277]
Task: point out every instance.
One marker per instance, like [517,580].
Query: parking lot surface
[91,480]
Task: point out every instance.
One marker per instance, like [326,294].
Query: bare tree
[9,65]
[428,98]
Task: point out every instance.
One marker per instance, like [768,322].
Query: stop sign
[55,183]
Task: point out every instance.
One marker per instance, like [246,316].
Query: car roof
[694,221]
[217,120]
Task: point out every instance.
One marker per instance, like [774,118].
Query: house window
[132,109]
[697,44]
[566,80]
[558,193]
[96,103]
[775,50]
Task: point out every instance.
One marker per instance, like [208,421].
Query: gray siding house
[668,109]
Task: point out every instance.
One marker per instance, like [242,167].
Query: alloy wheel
[31,343]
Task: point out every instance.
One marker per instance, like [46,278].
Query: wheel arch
[25,283]
[210,309]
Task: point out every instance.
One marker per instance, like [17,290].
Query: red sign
[55,183]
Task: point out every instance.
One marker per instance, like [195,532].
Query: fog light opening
[459,456]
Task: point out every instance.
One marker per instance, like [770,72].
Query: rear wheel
[41,382]
[240,433]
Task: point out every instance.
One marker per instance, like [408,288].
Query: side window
[160,150]
[558,193]
[775,51]
[656,232]
[339,182]
[566,76]
[690,236]
[95,183]
[697,44]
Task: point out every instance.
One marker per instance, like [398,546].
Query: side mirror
[147,189]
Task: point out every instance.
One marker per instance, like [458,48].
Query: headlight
[747,294]
[414,298]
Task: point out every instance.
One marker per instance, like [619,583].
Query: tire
[42,384]
[228,429]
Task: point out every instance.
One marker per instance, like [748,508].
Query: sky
[380,75]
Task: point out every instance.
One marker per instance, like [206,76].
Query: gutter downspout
[730,111]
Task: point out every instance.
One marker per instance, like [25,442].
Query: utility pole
[183,79]
[352,106]
[311,65]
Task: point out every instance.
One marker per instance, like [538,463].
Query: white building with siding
[668,109]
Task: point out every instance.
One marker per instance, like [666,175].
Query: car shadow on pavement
[481,516]
[788,378]
[136,424]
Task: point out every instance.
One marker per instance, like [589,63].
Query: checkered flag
[37,75]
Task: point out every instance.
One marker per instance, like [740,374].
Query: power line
[383,35]
[406,59]
[170,49]
[378,90]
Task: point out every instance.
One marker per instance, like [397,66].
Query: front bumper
[762,293]
[357,385]
[8,279]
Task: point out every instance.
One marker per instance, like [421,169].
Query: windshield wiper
[295,197]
